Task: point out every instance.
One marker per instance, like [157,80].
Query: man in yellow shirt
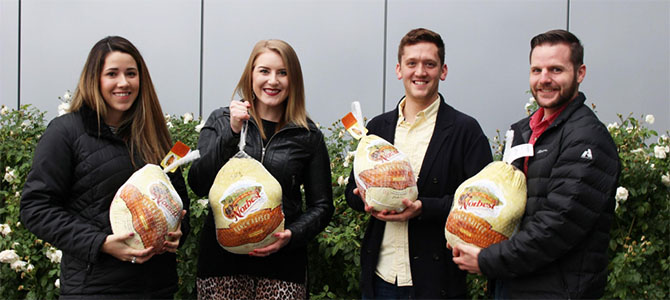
[403,254]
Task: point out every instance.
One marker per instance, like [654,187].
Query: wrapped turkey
[488,207]
[148,205]
[247,204]
[384,174]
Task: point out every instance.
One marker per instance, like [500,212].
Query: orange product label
[178,151]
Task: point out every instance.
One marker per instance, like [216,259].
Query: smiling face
[421,72]
[119,85]
[553,78]
[270,85]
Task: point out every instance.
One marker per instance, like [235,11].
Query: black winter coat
[457,151]
[294,156]
[75,174]
[560,250]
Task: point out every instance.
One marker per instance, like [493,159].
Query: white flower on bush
[665,179]
[659,152]
[169,124]
[4,110]
[63,108]
[200,126]
[167,117]
[612,126]
[8,256]
[662,139]
[203,202]
[29,268]
[9,174]
[188,117]
[57,283]
[621,194]
[340,181]
[638,150]
[18,265]
[350,155]
[54,255]
[67,97]
[5,229]
[25,124]
[649,119]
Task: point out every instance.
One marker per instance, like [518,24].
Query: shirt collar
[538,118]
[427,113]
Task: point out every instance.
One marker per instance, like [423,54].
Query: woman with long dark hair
[115,126]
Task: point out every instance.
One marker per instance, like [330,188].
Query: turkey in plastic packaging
[381,171]
[147,205]
[247,204]
[488,207]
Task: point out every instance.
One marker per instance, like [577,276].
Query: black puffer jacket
[560,250]
[66,198]
[295,156]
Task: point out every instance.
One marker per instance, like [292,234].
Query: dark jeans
[385,290]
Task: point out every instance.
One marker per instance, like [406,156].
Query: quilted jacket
[560,250]
[75,174]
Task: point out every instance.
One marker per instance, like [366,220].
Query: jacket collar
[571,108]
[523,125]
[90,120]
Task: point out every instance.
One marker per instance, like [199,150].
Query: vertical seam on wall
[384,58]
[18,63]
[202,29]
[567,21]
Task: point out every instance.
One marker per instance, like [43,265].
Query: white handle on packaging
[358,114]
[518,151]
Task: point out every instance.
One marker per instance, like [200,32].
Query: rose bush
[639,254]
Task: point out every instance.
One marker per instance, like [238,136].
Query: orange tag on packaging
[178,151]
[351,125]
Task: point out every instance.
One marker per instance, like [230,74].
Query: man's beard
[564,96]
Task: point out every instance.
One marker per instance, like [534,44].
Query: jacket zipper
[260,139]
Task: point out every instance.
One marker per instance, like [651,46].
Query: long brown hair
[295,111]
[143,126]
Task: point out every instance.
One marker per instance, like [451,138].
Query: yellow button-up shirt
[412,140]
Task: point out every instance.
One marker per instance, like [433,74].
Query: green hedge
[639,253]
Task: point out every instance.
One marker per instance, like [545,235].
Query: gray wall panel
[487,46]
[9,20]
[57,36]
[627,57]
[339,44]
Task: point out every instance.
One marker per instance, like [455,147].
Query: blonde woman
[292,149]
[114,127]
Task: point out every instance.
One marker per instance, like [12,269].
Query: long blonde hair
[295,111]
[143,126]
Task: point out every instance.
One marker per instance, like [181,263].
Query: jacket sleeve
[177,180]
[475,155]
[318,198]
[43,207]
[578,191]
[217,144]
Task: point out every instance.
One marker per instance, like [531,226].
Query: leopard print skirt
[248,287]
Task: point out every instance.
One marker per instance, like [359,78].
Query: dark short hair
[419,35]
[559,36]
